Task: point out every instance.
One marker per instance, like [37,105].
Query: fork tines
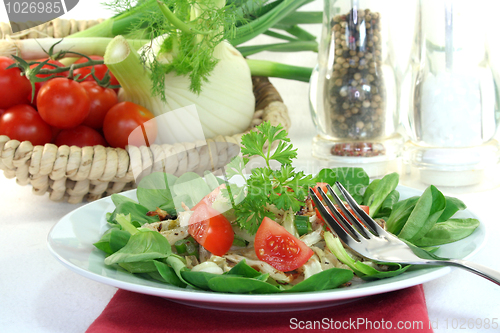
[345,224]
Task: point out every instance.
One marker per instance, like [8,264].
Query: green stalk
[119,24]
[126,64]
[179,24]
[299,33]
[124,221]
[303,18]
[30,49]
[266,21]
[274,34]
[296,46]
[276,69]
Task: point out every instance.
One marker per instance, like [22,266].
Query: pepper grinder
[353,92]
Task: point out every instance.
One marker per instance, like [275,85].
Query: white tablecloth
[38,294]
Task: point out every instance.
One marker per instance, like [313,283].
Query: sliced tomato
[279,248]
[211,229]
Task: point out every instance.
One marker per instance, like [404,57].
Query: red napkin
[398,311]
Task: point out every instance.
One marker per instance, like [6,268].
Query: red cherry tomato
[99,70]
[80,136]
[23,123]
[211,229]
[55,133]
[38,85]
[63,103]
[279,248]
[101,100]
[14,88]
[127,123]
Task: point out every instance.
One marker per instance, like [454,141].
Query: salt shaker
[353,92]
[450,110]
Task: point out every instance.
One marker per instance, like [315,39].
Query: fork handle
[486,272]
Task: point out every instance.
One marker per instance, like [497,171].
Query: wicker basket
[74,174]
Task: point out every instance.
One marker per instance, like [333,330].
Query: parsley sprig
[283,188]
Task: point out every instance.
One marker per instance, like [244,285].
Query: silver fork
[371,241]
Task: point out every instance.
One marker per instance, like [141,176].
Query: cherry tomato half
[14,88]
[279,248]
[211,229]
[101,100]
[127,123]
[99,70]
[23,123]
[80,136]
[63,103]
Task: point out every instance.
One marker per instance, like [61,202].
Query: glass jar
[451,110]
[353,92]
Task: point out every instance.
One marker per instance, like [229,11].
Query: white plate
[71,239]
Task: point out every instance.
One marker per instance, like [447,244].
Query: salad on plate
[259,232]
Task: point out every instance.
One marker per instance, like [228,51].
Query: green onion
[303,18]
[296,46]
[180,246]
[302,224]
[187,246]
[276,69]
[191,248]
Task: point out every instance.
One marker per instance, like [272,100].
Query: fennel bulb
[226,103]
[225,106]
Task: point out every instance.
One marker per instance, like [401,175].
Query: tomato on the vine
[211,229]
[101,100]
[99,70]
[63,103]
[14,88]
[23,123]
[80,136]
[279,248]
[127,123]
[38,85]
